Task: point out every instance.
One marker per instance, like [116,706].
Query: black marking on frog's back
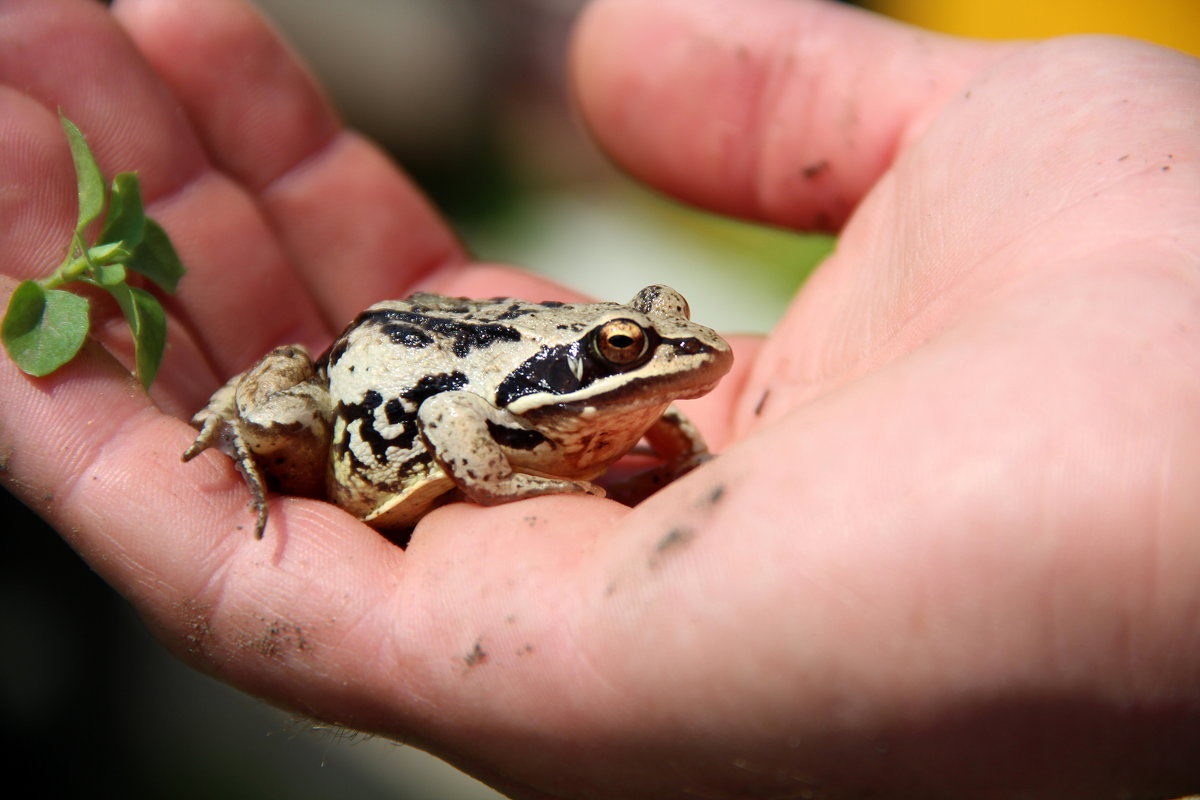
[395,412]
[514,438]
[333,354]
[400,411]
[413,328]
[516,310]
[365,412]
[430,385]
[407,335]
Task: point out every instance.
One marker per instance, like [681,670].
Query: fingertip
[776,110]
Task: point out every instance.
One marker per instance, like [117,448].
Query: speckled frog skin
[433,397]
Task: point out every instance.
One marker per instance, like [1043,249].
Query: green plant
[45,326]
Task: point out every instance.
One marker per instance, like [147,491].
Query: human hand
[949,547]
[959,547]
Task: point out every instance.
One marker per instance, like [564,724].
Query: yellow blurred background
[1174,23]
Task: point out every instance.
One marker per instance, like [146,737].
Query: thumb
[781,111]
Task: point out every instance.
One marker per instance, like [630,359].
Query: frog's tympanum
[434,397]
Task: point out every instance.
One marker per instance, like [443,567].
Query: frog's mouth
[686,368]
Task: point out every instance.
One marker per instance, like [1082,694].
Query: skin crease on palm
[950,546]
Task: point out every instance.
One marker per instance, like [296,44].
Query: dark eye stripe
[550,369]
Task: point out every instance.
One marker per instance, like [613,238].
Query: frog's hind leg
[405,509]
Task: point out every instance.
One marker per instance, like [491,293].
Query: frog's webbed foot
[638,487]
[243,459]
[219,429]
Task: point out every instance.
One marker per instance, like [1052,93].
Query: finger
[86,66]
[38,200]
[69,56]
[776,110]
[355,227]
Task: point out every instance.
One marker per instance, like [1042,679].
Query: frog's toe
[591,488]
[210,429]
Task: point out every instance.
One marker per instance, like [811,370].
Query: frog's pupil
[621,343]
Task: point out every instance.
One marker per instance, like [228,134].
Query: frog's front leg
[218,424]
[272,420]
[468,436]
[678,442]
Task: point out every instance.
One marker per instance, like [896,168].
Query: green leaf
[148,322]
[108,253]
[44,328]
[87,175]
[155,258]
[126,219]
[110,274]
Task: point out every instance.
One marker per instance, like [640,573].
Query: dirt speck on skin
[716,494]
[278,638]
[195,616]
[674,539]
[477,655]
[762,403]
[815,169]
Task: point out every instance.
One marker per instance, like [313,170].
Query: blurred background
[471,98]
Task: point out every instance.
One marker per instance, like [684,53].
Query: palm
[940,510]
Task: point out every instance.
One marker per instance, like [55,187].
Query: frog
[434,398]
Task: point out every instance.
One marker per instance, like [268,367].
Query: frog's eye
[621,342]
